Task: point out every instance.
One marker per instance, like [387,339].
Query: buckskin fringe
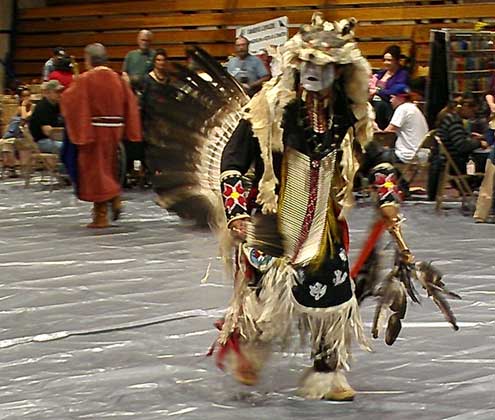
[273,316]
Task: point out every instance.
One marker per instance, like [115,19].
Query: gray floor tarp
[116,323]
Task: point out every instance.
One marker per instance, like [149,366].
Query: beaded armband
[384,181]
[234,195]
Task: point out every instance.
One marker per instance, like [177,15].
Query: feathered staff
[393,289]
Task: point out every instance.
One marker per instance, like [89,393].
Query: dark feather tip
[393,329]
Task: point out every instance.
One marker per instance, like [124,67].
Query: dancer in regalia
[286,160]
[301,138]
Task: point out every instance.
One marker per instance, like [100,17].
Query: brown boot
[99,216]
[116,204]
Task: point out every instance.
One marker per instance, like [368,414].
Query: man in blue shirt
[248,69]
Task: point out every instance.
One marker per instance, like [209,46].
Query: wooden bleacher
[210,23]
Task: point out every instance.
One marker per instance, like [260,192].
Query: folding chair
[451,172]
[7,157]
[420,162]
[32,159]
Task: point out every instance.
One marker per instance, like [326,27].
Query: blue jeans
[49,146]
[52,146]
[13,129]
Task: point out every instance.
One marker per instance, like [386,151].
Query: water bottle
[470,167]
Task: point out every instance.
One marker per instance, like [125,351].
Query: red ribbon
[231,344]
[370,243]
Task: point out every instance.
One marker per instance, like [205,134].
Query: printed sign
[264,34]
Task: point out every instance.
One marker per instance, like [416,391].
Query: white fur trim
[318,385]
[273,315]
[315,385]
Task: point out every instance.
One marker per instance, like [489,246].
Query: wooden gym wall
[210,23]
[7,8]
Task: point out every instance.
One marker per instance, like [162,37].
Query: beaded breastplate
[303,204]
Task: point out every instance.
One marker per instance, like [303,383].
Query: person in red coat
[99,110]
[63,71]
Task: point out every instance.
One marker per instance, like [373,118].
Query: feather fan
[191,126]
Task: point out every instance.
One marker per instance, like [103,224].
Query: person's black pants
[134,151]
[383,113]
